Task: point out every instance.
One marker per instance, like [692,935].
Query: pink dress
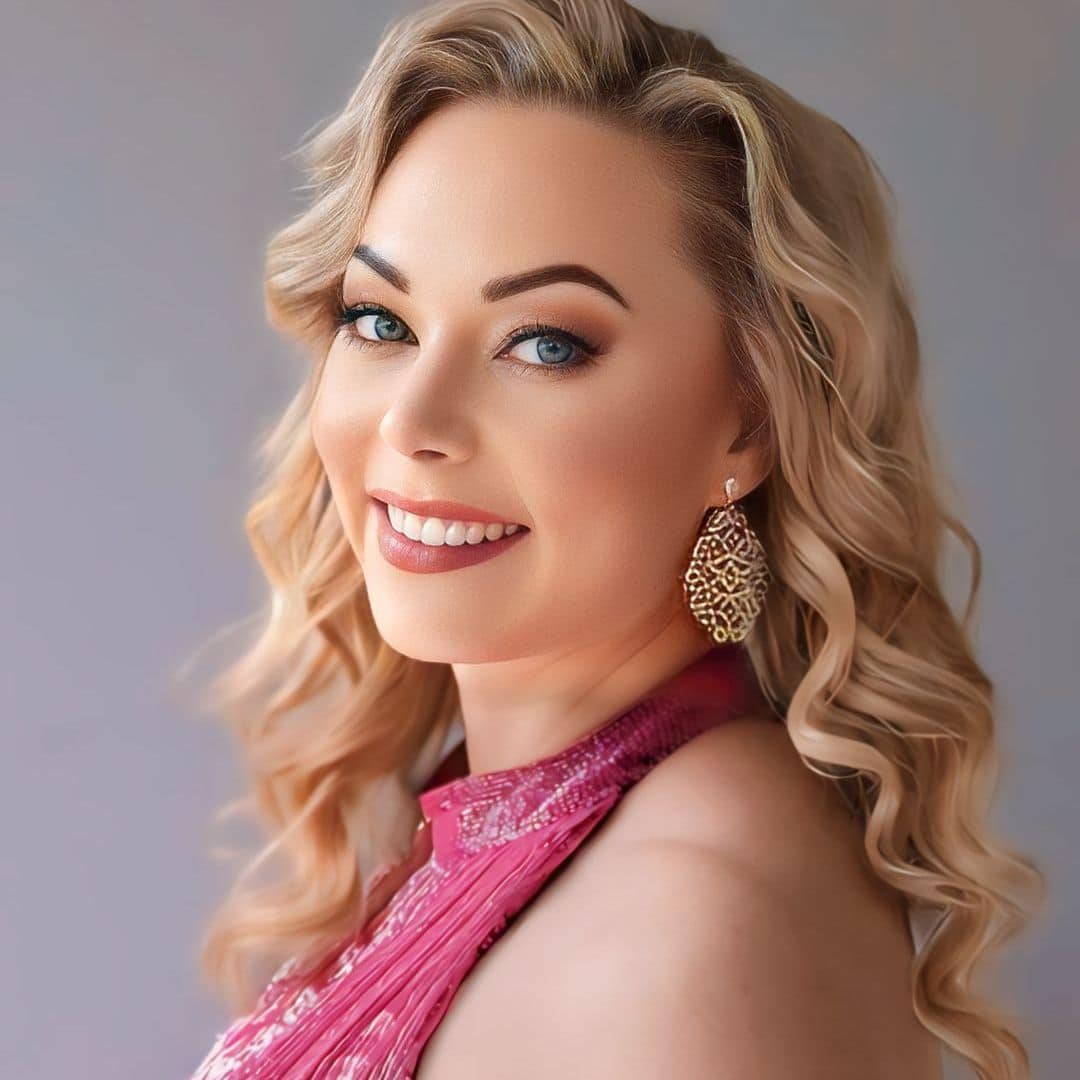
[495,839]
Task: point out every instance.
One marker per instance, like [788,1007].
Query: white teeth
[435,531]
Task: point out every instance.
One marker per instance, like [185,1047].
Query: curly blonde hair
[790,222]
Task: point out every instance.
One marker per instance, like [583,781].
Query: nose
[429,413]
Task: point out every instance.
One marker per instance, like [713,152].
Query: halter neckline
[476,811]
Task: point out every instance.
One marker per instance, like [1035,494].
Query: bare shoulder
[742,787]
[746,935]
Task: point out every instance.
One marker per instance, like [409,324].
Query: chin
[420,637]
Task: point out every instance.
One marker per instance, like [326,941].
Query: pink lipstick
[419,558]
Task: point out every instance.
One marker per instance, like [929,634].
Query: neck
[517,711]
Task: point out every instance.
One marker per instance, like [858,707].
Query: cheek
[341,433]
[618,487]
[639,445]
[340,425]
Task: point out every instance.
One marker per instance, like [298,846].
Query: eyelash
[585,355]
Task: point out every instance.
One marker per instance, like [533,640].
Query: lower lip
[418,558]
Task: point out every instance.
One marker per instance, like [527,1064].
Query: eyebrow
[501,287]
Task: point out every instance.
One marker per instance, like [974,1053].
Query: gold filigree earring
[727,577]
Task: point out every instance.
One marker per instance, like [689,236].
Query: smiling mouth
[455,548]
[449,532]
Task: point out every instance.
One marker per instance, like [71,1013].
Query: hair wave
[789,220]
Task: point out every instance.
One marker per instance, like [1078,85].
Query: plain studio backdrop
[146,164]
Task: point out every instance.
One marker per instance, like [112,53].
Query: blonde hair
[789,220]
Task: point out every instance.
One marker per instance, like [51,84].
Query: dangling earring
[726,580]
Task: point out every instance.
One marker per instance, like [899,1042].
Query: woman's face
[605,436]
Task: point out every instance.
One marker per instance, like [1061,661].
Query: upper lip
[440,508]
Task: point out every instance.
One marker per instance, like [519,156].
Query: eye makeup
[585,352]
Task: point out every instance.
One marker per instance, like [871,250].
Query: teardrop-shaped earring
[727,577]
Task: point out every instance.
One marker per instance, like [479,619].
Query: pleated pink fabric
[495,838]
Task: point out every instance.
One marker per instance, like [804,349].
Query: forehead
[489,189]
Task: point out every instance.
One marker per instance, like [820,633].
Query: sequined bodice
[475,812]
[496,838]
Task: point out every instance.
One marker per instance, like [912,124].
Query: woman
[611,460]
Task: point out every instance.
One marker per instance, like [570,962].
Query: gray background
[144,167]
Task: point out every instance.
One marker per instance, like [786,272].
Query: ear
[747,459]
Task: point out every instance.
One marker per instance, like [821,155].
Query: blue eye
[385,326]
[557,350]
